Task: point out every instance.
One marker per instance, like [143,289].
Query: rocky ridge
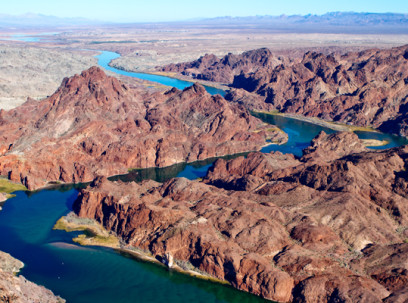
[18,289]
[212,68]
[367,88]
[314,229]
[95,125]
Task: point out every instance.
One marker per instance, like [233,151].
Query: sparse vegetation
[361,128]
[329,124]
[372,142]
[8,187]
[94,233]
[89,239]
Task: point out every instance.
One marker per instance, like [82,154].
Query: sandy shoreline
[313,120]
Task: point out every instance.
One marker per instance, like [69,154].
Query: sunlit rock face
[329,226]
[95,125]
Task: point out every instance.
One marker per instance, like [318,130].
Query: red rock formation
[223,70]
[368,88]
[325,148]
[365,88]
[310,230]
[214,231]
[95,125]
[387,265]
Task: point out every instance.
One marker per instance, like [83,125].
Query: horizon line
[198,18]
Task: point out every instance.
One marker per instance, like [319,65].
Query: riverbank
[166,172]
[175,169]
[189,79]
[96,235]
[337,126]
[219,225]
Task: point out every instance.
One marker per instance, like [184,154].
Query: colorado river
[94,274]
[106,57]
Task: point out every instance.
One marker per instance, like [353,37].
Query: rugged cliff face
[95,125]
[223,70]
[18,289]
[317,229]
[360,88]
[365,88]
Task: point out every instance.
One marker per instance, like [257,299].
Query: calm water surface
[91,274]
[40,37]
[301,133]
[105,57]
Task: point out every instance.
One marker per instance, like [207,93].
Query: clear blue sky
[169,10]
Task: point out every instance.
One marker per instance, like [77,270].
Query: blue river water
[105,57]
[91,274]
[39,37]
[94,274]
[300,134]
[24,38]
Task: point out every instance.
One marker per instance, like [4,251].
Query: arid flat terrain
[35,71]
[176,48]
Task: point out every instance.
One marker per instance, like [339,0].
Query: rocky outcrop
[325,148]
[314,229]
[211,68]
[9,264]
[95,125]
[365,88]
[196,223]
[368,88]
[18,289]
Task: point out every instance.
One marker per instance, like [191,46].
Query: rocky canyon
[96,125]
[366,88]
[328,227]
